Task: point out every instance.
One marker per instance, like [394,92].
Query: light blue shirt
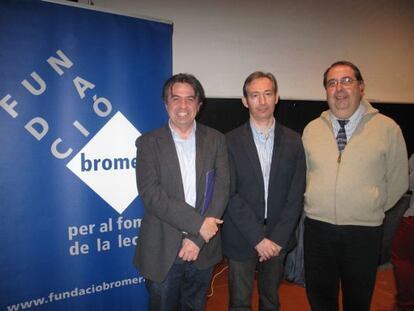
[186,152]
[351,126]
[264,146]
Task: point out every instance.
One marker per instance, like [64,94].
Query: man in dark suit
[183,181]
[267,182]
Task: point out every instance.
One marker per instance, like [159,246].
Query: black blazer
[243,225]
[167,214]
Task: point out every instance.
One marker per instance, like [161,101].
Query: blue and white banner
[77,87]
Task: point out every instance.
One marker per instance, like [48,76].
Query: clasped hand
[209,228]
[267,249]
[189,250]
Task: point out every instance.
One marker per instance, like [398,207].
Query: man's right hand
[209,228]
[267,249]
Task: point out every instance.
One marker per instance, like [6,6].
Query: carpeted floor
[293,297]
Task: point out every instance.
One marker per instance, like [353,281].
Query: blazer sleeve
[157,201]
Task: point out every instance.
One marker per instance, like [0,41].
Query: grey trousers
[241,278]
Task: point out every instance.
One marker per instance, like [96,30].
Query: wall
[221,42]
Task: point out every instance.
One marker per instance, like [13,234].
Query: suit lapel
[170,159]
[251,151]
[201,154]
[277,151]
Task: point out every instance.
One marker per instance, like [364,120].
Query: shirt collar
[355,116]
[177,136]
[258,132]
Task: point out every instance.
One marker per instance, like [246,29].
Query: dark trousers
[402,257]
[345,256]
[241,277]
[185,288]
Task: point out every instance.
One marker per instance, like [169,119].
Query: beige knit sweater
[369,177]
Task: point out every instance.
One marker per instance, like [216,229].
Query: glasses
[345,82]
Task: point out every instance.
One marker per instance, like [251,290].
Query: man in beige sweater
[356,170]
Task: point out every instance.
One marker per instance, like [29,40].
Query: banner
[77,88]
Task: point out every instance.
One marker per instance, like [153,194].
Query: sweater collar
[368,110]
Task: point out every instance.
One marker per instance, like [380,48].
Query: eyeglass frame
[344,81]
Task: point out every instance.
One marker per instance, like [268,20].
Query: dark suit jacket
[243,221]
[166,214]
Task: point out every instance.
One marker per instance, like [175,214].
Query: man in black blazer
[267,182]
[183,182]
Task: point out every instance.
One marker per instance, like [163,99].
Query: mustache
[340,93]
